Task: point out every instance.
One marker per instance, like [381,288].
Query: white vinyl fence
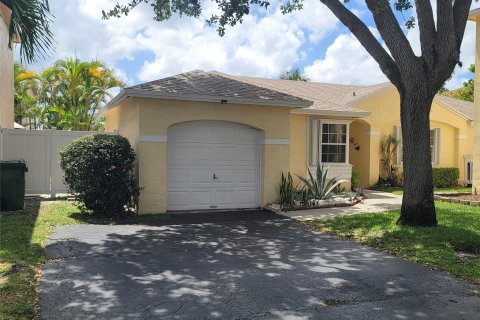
[41,151]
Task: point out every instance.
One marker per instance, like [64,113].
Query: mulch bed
[327,205]
[463,198]
[471,197]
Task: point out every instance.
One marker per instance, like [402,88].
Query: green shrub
[356,180]
[445,177]
[287,192]
[99,170]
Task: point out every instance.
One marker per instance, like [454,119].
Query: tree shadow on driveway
[243,268]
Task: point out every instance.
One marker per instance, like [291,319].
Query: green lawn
[453,246]
[399,190]
[22,238]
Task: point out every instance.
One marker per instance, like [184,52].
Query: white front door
[213,165]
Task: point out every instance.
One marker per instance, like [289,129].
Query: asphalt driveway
[245,265]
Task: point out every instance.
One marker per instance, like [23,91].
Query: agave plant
[320,187]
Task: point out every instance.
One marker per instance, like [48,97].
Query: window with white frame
[434,145]
[328,142]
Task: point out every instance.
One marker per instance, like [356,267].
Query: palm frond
[30,21]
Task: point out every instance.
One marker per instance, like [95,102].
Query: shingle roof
[341,98]
[310,96]
[464,108]
[325,96]
[208,85]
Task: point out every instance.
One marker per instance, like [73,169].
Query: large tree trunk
[418,208]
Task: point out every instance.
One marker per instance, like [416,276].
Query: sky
[266,44]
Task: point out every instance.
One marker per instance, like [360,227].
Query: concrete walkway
[376,202]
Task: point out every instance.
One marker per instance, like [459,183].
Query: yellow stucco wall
[476,151]
[155,116]
[456,135]
[298,145]
[6,72]
[125,119]
[360,133]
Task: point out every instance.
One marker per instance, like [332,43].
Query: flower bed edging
[451,197]
[269,207]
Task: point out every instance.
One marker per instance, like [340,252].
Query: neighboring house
[475,17]
[211,140]
[6,71]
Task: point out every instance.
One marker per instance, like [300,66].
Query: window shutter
[398,134]
[313,143]
[437,146]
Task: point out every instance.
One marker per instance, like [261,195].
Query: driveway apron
[237,265]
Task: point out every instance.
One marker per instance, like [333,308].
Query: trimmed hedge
[445,177]
[99,170]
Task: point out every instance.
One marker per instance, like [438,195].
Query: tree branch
[426,25]
[367,40]
[461,9]
[451,23]
[445,39]
[393,35]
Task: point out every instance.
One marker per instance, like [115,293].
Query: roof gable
[465,109]
[202,86]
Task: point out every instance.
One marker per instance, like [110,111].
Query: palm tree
[67,95]
[73,91]
[26,85]
[293,74]
[30,22]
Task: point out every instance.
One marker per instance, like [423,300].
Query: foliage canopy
[67,95]
[294,74]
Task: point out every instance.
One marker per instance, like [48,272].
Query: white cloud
[265,44]
[346,62]
[260,46]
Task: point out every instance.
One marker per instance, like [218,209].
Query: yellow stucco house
[6,71]
[211,140]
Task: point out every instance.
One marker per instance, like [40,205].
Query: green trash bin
[12,185]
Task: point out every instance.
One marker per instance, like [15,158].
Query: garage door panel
[202,175]
[198,151]
[246,197]
[178,175]
[226,154]
[225,133]
[248,154]
[250,136]
[225,176]
[185,200]
[224,198]
[248,176]
[202,153]
[191,155]
[178,198]
[191,132]
[202,198]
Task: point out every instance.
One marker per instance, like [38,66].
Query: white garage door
[213,165]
